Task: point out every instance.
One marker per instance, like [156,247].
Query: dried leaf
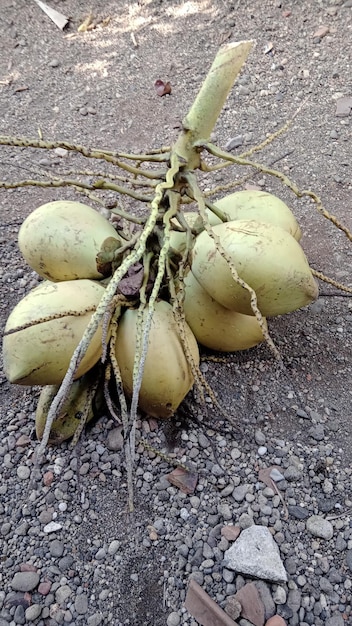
[184,479]
[132,281]
[162,88]
[82,28]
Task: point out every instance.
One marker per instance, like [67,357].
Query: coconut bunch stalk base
[142,271]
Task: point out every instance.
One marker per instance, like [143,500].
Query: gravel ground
[70,554]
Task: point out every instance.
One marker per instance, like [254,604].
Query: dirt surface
[96,88]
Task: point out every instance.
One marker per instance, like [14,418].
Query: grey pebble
[100,554]
[298,512]
[19,615]
[33,612]
[317,432]
[81,604]
[292,473]
[54,63]
[56,548]
[336,619]
[62,593]
[349,559]
[25,581]
[320,527]
[23,472]
[95,619]
[114,440]
[113,547]
[173,619]
[234,142]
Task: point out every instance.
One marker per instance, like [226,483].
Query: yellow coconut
[265,256]
[60,240]
[167,376]
[72,410]
[216,327]
[260,206]
[44,329]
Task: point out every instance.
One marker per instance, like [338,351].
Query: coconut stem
[205,110]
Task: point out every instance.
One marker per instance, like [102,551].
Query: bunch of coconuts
[62,240]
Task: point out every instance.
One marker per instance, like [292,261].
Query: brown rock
[27,567]
[204,609]
[321,32]
[230,532]
[276,620]
[48,478]
[252,605]
[23,440]
[44,587]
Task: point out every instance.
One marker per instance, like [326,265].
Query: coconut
[45,328]
[265,256]
[72,410]
[214,326]
[167,376]
[60,240]
[260,206]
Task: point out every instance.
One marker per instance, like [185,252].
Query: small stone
[292,473]
[95,619]
[234,142]
[19,616]
[320,527]
[343,106]
[233,607]
[262,450]
[317,432]
[347,4]
[48,478]
[266,598]
[335,619]
[62,593]
[23,472]
[56,548]
[25,581]
[279,595]
[230,532]
[83,111]
[52,527]
[276,620]
[33,612]
[114,439]
[113,547]
[321,32]
[61,152]
[173,619]
[81,604]
[298,512]
[54,63]
[44,587]
[349,559]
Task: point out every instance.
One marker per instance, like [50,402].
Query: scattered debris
[162,88]
[59,19]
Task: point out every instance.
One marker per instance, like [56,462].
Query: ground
[96,88]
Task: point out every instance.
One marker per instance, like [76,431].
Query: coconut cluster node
[68,244]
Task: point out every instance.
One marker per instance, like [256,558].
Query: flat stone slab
[255,553]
